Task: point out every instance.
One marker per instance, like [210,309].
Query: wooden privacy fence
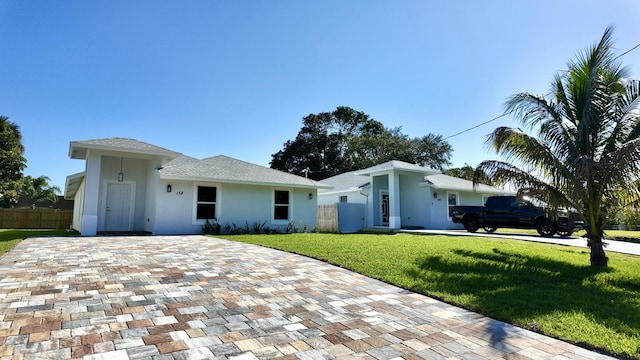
[35,218]
[327,218]
[340,218]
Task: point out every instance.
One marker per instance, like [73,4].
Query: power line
[477,126]
[498,117]
[628,51]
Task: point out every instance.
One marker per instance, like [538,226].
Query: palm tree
[38,189]
[586,154]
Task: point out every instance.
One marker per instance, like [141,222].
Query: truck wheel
[490,229]
[546,227]
[471,224]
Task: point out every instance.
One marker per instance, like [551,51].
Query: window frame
[449,206]
[196,202]
[289,206]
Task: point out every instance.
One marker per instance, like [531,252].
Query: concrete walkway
[194,297]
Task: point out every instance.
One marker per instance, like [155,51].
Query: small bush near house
[211,227]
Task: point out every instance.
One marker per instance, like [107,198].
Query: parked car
[508,212]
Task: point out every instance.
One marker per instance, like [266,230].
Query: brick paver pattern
[195,297]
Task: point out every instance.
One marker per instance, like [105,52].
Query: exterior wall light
[169,188]
[310,196]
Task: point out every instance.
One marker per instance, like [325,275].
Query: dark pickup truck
[508,212]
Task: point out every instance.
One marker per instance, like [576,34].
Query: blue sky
[236,77]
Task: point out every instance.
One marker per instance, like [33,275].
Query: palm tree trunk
[598,257]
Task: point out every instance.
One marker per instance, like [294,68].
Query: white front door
[118,211]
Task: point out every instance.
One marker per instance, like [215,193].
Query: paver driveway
[194,297]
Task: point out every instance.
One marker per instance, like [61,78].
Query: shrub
[259,226]
[211,227]
[631,218]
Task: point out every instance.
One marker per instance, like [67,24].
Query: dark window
[281,205]
[206,211]
[206,194]
[206,204]
[343,199]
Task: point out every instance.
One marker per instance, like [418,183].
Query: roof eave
[243,182]
[70,189]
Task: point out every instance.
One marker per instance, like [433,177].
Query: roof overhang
[72,184]
[243,182]
[80,150]
[484,189]
[396,167]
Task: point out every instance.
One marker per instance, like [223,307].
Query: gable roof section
[354,179]
[345,181]
[78,149]
[447,182]
[224,169]
[396,165]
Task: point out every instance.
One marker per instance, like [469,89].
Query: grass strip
[11,237]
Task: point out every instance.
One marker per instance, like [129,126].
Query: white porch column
[91,195]
[369,213]
[395,220]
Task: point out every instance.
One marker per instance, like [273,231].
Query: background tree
[586,154]
[38,189]
[12,162]
[467,172]
[332,143]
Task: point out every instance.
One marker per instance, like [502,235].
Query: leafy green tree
[38,189]
[467,172]
[12,162]
[586,154]
[332,143]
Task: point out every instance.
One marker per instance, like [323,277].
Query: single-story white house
[399,195]
[132,186]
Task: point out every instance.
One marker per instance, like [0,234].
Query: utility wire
[498,117]
[477,126]
[626,52]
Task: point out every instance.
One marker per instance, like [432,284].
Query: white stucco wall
[353,197]
[414,202]
[439,210]
[135,171]
[235,204]
[78,207]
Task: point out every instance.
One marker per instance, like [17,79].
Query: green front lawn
[11,237]
[546,288]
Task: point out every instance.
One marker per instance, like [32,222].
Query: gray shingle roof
[78,149]
[229,170]
[397,165]
[181,167]
[351,180]
[446,182]
[346,181]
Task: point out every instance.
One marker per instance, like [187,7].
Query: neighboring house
[399,195]
[132,186]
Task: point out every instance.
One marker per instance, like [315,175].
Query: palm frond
[528,151]
[503,173]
